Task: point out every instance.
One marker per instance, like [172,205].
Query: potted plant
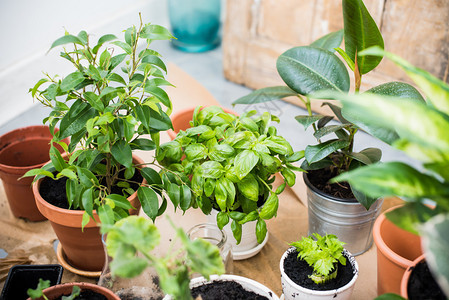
[318,267]
[23,149]
[137,235]
[421,133]
[70,291]
[339,209]
[107,113]
[231,162]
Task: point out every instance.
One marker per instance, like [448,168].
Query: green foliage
[75,293]
[389,296]
[310,70]
[230,162]
[136,235]
[37,292]
[322,253]
[110,105]
[421,132]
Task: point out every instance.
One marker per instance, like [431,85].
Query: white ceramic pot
[248,246]
[293,291]
[247,284]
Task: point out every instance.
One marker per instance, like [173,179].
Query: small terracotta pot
[83,248]
[66,289]
[406,276]
[22,150]
[181,120]
[396,251]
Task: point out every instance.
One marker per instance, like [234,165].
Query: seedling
[323,254]
[37,293]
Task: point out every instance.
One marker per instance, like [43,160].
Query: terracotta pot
[181,120]
[406,276]
[82,248]
[66,289]
[396,251]
[22,150]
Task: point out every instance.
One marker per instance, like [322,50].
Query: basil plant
[231,162]
[111,104]
[420,129]
[308,70]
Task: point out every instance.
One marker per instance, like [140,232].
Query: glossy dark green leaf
[306,121]
[393,179]
[121,151]
[328,130]
[117,78]
[156,61]
[143,144]
[87,178]
[75,119]
[71,81]
[265,95]
[361,32]
[149,200]
[174,193]
[151,176]
[436,244]
[308,69]
[94,100]
[159,121]
[117,60]
[330,41]
[66,39]
[397,89]
[318,152]
[363,199]
[57,160]
[143,113]
[159,94]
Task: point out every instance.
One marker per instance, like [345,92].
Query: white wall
[28,28]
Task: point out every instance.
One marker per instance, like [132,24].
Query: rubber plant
[420,128]
[307,70]
[111,104]
[322,253]
[230,162]
[137,235]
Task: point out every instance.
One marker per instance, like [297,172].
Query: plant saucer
[249,253]
[63,261]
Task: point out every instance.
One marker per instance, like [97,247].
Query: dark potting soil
[320,179]
[87,295]
[224,290]
[422,285]
[54,192]
[299,270]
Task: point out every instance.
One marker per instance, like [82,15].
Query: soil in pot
[320,179]
[54,191]
[298,271]
[224,290]
[422,285]
[86,295]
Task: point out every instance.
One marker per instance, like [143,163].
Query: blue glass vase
[195,24]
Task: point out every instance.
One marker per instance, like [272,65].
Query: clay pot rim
[70,212]
[8,168]
[83,285]
[382,246]
[320,293]
[189,110]
[407,273]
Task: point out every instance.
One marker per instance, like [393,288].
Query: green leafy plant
[37,293]
[420,129]
[113,103]
[230,162]
[307,70]
[323,254]
[136,235]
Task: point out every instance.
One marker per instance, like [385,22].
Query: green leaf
[105,38]
[127,48]
[87,199]
[211,169]
[151,176]
[261,230]
[393,179]
[120,201]
[289,176]
[266,94]
[58,162]
[252,216]
[121,151]
[87,178]
[270,208]
[156,61]
[37,172]
[397,89]
[159,94]
[94,100]
[155,32]
[71,81]
[149,200]
[330,41]
[318,152]
[143,144]
[360,32]
[436,244]
[221,196]
[236,231]
[76,118]
[37,292]
[306,121]
[346,57]
[185,198]
[436,90]
[195,152]
[389,296]
[66,39]
[244,162]
[328,130]
[222,219]
[249,187]
[308,69]
[106,214]
[174,193]
[411,216]
[117,60]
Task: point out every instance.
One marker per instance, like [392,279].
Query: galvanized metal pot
[346,218]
